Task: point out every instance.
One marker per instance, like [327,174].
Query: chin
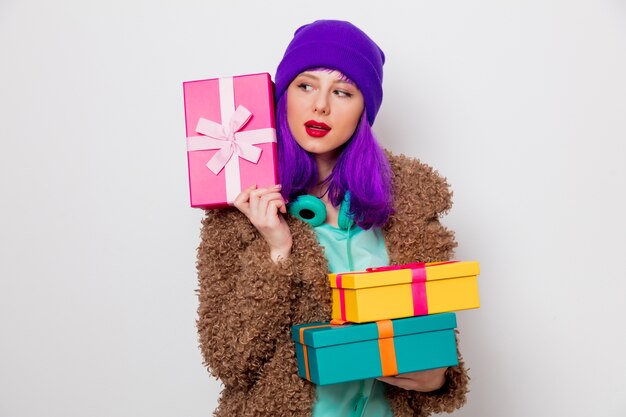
[309,144]
[314,150]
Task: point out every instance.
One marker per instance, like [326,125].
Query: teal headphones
[313,211]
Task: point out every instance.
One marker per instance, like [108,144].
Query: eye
[305,87]
[342,93]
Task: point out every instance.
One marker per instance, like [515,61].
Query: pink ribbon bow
[226,138]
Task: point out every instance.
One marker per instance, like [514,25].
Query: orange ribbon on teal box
[330,354]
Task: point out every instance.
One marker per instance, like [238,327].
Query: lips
[316,129]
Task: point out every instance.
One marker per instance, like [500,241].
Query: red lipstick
[316,129]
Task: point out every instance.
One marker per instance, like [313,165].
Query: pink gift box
[231,137]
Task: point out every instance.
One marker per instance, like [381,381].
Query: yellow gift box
[393,292]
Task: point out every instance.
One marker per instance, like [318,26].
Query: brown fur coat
[248,303]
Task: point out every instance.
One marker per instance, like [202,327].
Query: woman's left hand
[422,381]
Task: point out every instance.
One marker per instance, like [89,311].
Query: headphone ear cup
[309,209]
[345,221]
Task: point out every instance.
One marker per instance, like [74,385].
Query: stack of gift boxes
[388,321]
[385,321]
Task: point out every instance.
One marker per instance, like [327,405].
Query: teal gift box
[330,354]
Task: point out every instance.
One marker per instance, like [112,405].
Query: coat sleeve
[243,298]
[448,398]
[416,234]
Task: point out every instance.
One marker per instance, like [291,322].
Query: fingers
[268,205]
[404,383]
[260,199]
[260,204]
[242,202]
[275,206]
[423,381]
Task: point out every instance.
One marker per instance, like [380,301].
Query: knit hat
[337,45]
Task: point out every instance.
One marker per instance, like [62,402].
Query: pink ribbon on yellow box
[229,139]
[418,285]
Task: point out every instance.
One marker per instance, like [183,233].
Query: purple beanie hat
[338,45]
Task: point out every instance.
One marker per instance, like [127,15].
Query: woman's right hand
[264,207]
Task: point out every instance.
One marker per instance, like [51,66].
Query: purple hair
[362,168]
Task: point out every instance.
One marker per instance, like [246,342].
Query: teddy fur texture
[248,304]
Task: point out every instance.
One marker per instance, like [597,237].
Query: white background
[521,105]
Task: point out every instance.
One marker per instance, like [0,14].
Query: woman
[262,270]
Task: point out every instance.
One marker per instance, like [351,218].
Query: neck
[325,164]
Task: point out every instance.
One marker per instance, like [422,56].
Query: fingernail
[277,186]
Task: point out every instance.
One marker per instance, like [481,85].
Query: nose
[321,104]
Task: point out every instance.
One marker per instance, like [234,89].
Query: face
[323,111]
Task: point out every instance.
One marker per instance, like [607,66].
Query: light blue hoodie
[352,250]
